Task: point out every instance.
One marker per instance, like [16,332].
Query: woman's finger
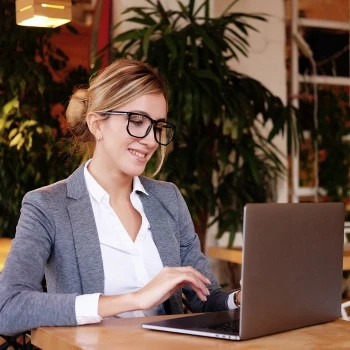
[193,271]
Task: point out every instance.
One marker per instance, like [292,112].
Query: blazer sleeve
[23,304]
[191,255]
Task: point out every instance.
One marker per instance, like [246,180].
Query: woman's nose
[149,139]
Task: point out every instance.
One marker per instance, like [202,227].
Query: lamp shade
[41,13]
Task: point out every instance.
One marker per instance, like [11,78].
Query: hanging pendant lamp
[41,13]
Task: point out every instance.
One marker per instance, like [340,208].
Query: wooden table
[5,245]
[126,334]
[234,255]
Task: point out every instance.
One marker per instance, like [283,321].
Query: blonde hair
[120,83]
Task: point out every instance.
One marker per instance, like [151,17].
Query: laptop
[291,274]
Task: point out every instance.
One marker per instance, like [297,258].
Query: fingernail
[208,281]
[205,298]
[207,291]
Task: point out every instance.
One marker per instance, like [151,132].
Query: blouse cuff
[86,308]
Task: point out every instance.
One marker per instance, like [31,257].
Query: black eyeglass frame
[153,125]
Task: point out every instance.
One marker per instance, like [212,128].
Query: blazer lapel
[85,234]
[165,241]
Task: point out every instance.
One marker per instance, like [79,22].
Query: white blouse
[128,266]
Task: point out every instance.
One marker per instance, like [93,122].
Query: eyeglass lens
[140,125]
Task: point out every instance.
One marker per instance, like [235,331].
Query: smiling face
[119,153]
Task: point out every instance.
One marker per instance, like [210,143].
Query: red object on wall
[101,32]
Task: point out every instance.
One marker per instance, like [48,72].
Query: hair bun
[82,95]
[77,107]
[76,113]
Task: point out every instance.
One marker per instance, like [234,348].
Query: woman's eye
[137,120]
[158,130]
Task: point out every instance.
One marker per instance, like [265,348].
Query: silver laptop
[291,274]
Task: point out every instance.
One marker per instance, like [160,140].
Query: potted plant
[220,158]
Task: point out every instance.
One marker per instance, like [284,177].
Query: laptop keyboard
[232,326]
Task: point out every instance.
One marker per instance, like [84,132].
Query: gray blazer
[57,236]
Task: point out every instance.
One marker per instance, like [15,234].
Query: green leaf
[206,39]
[191,8]
[235,44]
[207,10]
[171,45]
[207,74]
[242,39]
[130,35]
[181,58]
[147,20]
[228,8]
[200,7]
[11,105]
[12,133]
[152,3]
[185,11]
[249,157]
[27,124]
[18,138]
[138,10]
[194,51]
[20,143]
[147,38]
[163,13]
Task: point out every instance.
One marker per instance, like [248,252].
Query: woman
[109,241]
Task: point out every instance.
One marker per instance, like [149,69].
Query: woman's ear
[93,122]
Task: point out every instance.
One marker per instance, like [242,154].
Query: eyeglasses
[140,125]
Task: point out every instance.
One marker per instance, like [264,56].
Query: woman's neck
[113,182]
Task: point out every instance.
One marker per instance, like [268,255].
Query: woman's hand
[167,282]
[155,292]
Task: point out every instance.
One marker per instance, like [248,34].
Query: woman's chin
[135,171]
